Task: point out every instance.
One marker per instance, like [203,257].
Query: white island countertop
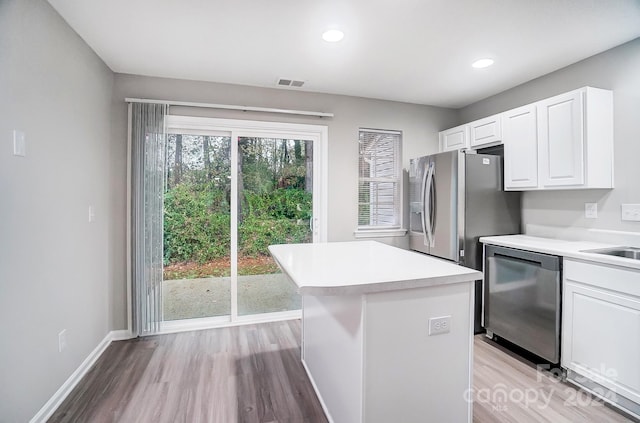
[361,267]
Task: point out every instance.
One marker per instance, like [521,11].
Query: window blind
[148,140]
[379,174]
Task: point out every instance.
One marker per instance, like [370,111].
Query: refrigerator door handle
[428,207]
[432,206]
[423,212]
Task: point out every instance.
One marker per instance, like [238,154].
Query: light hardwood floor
[510,389]
[253,374]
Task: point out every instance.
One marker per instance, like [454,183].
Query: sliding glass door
[229,194]
[197,227]
[275,200]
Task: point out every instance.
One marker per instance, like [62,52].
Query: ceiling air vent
[285,82]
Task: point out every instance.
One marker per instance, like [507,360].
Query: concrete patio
[209,297]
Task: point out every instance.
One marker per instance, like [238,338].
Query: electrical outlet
[591,210]
[62,340]
[438,325]
[630,212]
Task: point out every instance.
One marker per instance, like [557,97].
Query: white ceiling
[417,51]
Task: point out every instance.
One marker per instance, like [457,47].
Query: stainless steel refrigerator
[454,199]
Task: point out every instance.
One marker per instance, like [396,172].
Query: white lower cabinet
[601,331]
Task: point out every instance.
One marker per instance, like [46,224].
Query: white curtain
[148,143]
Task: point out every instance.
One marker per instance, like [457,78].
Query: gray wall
[54,266]
[420,126]
[617,69]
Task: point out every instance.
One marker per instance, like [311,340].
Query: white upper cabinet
[486,132]
[455,138]
[561,140]
[520,148]
[567,138]
[477,134]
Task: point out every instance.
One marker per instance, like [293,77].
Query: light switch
[19,143]
[92,214]
[591,210]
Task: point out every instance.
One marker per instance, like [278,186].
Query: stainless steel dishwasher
[522,299]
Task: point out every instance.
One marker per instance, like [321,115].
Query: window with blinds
[379,174]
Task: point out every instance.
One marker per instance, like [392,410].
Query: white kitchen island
[366,342]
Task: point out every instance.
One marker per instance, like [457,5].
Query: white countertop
[360,267]
[558,247]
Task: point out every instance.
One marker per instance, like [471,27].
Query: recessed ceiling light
[332,35]
[482,63]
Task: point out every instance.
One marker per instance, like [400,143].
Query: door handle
[432,206]
[429,206]
[423,211]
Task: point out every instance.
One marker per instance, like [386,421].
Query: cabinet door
[455,138]
[601,326]
[561,140]
[602,341]
[486,131]
[520,148]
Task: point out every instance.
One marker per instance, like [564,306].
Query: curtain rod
[229,107]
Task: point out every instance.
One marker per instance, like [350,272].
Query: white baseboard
[61,394]
[121,335]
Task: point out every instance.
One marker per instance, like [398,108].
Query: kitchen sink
[626,252]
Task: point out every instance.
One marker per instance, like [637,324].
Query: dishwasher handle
[545,261]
